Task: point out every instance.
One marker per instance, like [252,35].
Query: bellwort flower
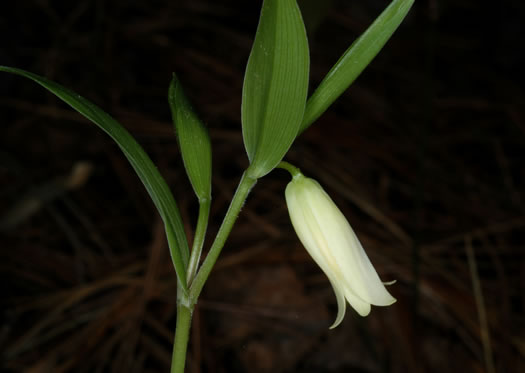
[332,243]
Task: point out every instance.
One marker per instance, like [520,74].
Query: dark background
[424,155]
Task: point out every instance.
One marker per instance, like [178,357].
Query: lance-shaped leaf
[194,141]
[275,85]
[144,167]
[354,60]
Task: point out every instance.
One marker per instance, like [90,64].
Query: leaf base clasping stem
[186,302]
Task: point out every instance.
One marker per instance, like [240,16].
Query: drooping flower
[332,243]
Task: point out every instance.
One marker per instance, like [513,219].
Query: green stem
[182,334]
[198,240]
[186,302]
[294,171]
[184,305]
[245,185]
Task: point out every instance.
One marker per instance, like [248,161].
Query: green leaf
[275,85]
[194,141]
[354,60]
[144,167]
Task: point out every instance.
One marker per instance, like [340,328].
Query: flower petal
[332,243]
[341,305]
[362,308]
[349,255]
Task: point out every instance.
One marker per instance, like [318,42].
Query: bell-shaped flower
[332,243]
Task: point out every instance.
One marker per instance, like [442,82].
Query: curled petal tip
[335,324]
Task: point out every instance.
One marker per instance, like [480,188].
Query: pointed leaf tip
[193,139]
[355,59]
[275,85]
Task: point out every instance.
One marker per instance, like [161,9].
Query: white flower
[329,239]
